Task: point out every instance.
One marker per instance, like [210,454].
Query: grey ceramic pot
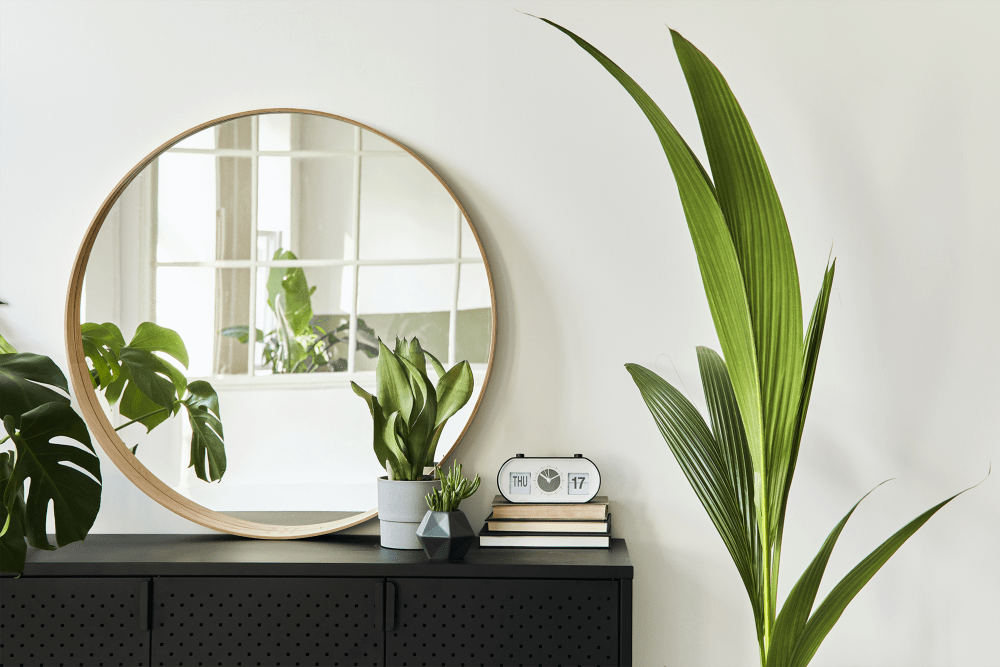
[401,506]
[445,535]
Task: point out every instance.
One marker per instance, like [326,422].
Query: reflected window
[290,243]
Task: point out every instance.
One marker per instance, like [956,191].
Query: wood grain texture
[105,434]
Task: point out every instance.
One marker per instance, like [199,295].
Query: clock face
[549,480]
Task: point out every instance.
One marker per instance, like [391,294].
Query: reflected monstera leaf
[148,389]
[143,384]
[202,403]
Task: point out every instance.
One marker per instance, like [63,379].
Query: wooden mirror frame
[93,411]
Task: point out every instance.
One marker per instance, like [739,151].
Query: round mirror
[281,245]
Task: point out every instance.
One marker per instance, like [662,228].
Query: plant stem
[768,611]
[5,439]
[137,419]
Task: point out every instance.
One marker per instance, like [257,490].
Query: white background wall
[879,121]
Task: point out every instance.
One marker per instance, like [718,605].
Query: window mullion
[252,332]
[352,338]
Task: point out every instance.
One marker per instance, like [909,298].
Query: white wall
[879,124]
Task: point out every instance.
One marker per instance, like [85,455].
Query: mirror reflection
[281,247]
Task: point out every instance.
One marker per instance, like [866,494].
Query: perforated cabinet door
[270,622]
[79,622]
[453,622]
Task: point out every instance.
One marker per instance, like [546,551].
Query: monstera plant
[147,389]
[298,344]
[758,390]
[34,414]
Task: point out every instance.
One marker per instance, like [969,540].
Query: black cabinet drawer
[270,622]
[453,622]
[79,622]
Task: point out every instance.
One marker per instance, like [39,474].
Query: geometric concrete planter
[445,535]
[401,506]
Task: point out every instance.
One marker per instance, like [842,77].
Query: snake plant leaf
[13,549]
[795,612]
[830,610]
[23,377]
[291,283]
[242,333]
[392,386]
[207,438]
[454,390]
[730,438]
[717,258]
[756,222]
[704,464]
[425,408]
[154,338]
[435,364]
[411,351]
[395,441]
[382,451]
[75,495]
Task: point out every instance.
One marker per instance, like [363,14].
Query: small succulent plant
[454,489]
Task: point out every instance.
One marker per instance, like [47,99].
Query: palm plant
[758,392]
[298,344]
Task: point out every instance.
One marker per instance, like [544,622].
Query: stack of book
[547,525]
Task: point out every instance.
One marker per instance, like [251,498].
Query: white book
[488,538]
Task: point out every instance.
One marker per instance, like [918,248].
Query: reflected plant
[758,392]
[298,344]
[148,389]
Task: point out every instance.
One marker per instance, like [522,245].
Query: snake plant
[409,412]
[758,390]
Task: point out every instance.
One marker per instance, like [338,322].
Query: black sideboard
[178,600]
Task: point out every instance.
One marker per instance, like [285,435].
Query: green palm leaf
[829,612]
[795,612]
[705,465]
[727,426]
[810,358]
[763,245]
[717,258]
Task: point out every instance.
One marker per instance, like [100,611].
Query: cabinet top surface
[328,555]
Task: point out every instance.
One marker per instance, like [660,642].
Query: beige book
[595,510]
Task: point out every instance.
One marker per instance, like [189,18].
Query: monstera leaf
[22,379]
[202,403]
[75,495]
[144,385]
[149,389]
